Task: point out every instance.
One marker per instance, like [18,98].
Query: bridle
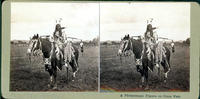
[127,43]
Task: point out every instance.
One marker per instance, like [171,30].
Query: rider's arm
[154,28]
[62,28]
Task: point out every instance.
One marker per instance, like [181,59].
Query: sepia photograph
[100,49]
[54,46]
[145,47]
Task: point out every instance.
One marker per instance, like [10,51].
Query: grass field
[117,76]
[33,77]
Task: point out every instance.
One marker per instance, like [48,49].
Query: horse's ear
[34,36]
[37,35]
[125,36]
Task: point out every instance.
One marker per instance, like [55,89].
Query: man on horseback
[64,48]
[59,40]
[149,34]
[58,35]
[154,48]
[150,38]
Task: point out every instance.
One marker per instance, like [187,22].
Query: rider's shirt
[58,36]
[149,34]
[150,30]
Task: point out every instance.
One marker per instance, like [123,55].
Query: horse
[144,60]
[50,56]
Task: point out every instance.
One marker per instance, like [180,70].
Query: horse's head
[33,44]
[125,45]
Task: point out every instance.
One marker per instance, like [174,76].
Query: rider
[59,40]
[58,35]
[149,34]
[63,46]
[151,39]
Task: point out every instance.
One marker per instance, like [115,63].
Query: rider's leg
[62,57]
[157,58]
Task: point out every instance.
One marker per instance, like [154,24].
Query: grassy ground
[33,77]
[117,76]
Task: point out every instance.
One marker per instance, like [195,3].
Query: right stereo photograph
[145,47]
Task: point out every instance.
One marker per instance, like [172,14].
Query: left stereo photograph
[54,47]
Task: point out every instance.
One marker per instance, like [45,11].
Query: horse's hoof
[165,81]
[55,87]
[140,86]
[49,86]
[146,88]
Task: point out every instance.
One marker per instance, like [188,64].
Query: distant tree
[105,43]
[12,42]
[187,41]
[113,42]
[20,42]
[95,41]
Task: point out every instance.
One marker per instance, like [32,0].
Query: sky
[118,19]
[80,19]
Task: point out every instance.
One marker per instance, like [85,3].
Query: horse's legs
[53,74]
[67,68]
[54,80]
[146,78]
[166,69]
[142,77]
[159,72]
[142,81]
[74,69]
[165,77]
[51,78]
[74,73]
[166,72]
